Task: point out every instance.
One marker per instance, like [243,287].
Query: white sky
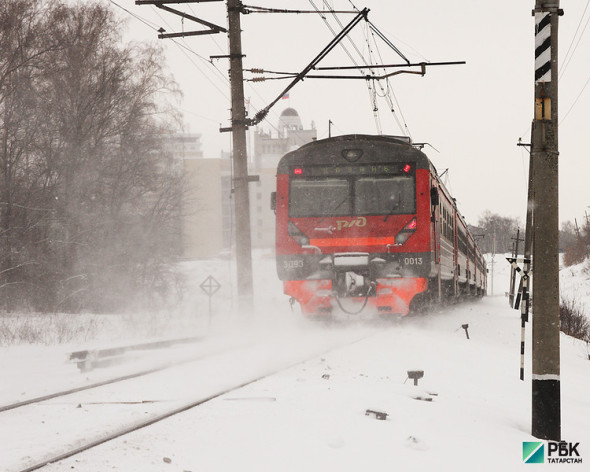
[472,114]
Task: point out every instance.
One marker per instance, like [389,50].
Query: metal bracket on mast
[213,29]
[261,115]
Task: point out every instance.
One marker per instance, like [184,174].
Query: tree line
[496,233]
[89,196]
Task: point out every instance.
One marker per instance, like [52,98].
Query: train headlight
[352,155]
[299,237]
[406,232]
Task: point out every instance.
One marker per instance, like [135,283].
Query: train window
[384,195]
[322,191]
[319,197]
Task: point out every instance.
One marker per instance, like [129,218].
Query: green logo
[533,452]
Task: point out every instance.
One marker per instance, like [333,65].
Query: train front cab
[340,240]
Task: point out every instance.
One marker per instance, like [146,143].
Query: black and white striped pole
[522,302]
[546,402]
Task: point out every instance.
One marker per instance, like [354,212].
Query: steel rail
[64,393]
[163,416]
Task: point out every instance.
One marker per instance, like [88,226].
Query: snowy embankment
[574,285]
[475,413]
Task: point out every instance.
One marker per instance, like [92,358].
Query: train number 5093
[293,264]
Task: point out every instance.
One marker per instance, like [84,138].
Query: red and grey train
[365,222]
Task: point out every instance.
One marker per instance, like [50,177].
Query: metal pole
[493,262]
[546,403]
[240,158]
[512,271]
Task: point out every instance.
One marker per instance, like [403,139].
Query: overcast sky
[472,114]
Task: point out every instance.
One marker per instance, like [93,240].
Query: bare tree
[106,193]
[22,48]
[497,232]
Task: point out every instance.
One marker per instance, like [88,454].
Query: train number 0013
[412,261]
[295,264]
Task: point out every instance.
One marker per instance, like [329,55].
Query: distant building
[206,212]
[208,219]
[186,146]
[268,150]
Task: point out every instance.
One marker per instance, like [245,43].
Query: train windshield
[352,195]
[385,195]
[319,197]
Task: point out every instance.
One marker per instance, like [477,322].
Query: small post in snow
[465,326]
[415,375]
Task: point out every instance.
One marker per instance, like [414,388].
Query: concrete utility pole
[238,129]
[240,157]
[546,403]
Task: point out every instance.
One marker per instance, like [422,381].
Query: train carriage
[364,221]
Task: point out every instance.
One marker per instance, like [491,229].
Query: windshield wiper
[336,208]
[395,206]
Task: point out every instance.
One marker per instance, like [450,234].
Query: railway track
[84,419]
[87,357]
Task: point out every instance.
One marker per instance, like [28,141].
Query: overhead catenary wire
[370,89]
[388,90]
[370,77]
[137,17]
[387,95]
[246,9]
[575,101]
[186,49]
[226,78]
[342,45]
[567,58]
[183,47]
[384,91]
[262,114]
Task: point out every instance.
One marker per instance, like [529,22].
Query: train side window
[273,201]
[434,199]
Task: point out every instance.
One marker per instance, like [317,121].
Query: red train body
[364,221]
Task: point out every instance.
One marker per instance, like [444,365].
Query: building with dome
[208,221]
[268,148]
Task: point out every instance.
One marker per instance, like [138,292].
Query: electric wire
[418,53]
[184,48]
[568,61]
[370,86]
[388,92]
[575,101]
[137,17]
[567,58]
[369,90]
[253,9]
[250,88]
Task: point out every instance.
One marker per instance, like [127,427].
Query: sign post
[210,286]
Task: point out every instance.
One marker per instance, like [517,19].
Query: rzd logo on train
[360,221]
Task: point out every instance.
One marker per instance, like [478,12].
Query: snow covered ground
[475,412]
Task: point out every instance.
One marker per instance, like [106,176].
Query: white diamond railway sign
[210,286]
